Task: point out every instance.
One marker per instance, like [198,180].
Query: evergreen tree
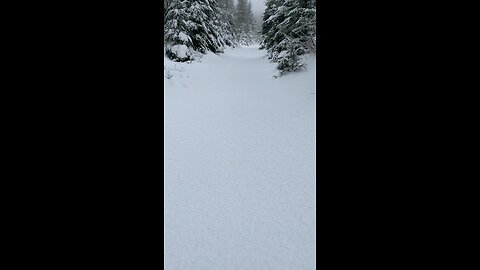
[176,31]
[302,26]
[230,5]
[270,21]
[194,25]
[250,23]
[228,22]
[166,3]
[227,5]
[244,21]
[289,31]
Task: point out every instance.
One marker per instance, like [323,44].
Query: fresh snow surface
[239,158]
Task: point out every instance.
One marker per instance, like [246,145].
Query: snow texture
[240,190]
[181,51]
[183,37]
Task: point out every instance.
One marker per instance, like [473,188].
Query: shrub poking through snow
[289,60]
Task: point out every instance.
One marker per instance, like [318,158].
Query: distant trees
[227,5]
[227,20]
[245,22]
[288,31]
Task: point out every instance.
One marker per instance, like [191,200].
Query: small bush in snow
[289,61]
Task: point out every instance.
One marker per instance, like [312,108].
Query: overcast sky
[258,6]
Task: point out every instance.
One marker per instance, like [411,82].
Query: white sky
[258,6]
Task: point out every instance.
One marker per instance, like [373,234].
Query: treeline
[289,31]
[206,25]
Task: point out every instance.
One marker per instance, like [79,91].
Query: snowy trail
[239,165]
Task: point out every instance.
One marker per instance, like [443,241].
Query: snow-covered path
[239,165]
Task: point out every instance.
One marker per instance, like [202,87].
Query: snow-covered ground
[240,190]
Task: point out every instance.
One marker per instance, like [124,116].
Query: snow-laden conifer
[289,31]
[196,25]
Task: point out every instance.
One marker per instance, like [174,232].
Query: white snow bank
[181,51]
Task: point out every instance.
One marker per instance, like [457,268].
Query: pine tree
[244,21]
[228,22]
[230,5]
[227,5]
[270,21]
[166,3]
[193,25]
[288,59]
[250,23]
[303,26]
[178,43]
[288,32]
